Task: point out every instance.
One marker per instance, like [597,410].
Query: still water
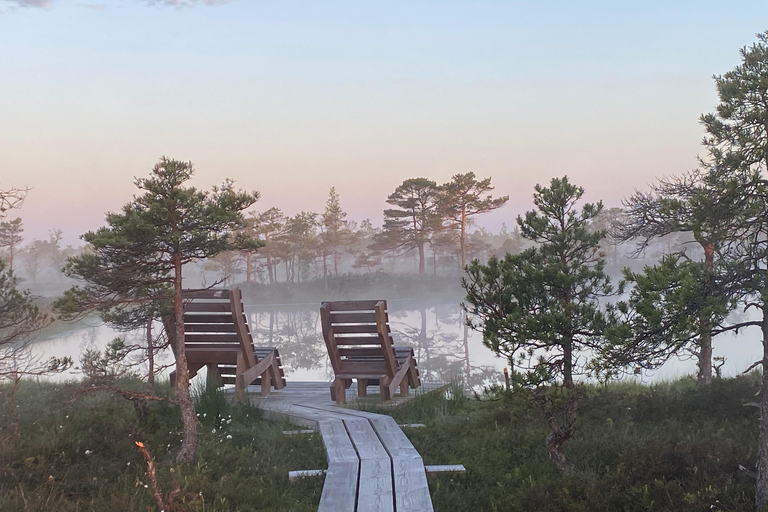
[444,347]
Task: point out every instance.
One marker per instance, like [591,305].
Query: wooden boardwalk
[372,466]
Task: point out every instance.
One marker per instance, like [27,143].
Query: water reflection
[444,346]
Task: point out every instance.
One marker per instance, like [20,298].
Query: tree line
[424,215]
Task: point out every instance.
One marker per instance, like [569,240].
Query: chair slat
[213,328]
[343,317]
[354,329]
[207,307]
[369,352]
[352,305]
[197,337]
[213,293]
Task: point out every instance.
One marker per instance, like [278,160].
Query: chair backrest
[214,319]
[357,336]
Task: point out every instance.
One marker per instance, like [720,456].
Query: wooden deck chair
[216,335]
[359,343]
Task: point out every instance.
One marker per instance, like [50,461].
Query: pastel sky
[293,97]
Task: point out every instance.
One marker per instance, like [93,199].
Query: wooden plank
[211,293]
[211,356]
[362,375]
[193,337]
[364,438]
[340,489]
[208,318]
[393,438]
[354,328]
[411,488]
[358,340]
[375,491]
[410,478]
[207,307]
[213,328]
[352,305]
[366,352]
[352,366]
[345,317]
[445,468]
[304,473]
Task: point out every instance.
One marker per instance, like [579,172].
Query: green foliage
[671,307]
[416,217]
[130,266]
[540,307]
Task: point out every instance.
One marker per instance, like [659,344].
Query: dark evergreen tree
[411,224]
[703,204]
[540,309]
[137,259]
[464,197]
[10,237]
[737,139]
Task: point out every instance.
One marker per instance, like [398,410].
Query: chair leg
[404,387]
[213,379]
[362,387]
[339,391]
[386,394]
[266,383]
[240,384]
[277,379]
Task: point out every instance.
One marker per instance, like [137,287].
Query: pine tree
[416,217]
[138,257]
[464,197]
[10,237]
[540,309]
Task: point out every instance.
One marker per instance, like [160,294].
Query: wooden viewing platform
[372,466]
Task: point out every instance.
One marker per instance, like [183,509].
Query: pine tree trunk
[183,397]
[150,358]
[560,434]
[463,239]
[704,377]
[422,266]
[761,492]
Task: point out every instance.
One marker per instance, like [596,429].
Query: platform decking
[372,466]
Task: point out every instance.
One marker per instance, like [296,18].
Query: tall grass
[78,453]
[664,447]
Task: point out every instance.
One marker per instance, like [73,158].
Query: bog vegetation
[554,295]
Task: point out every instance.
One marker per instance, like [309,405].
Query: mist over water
[444,348]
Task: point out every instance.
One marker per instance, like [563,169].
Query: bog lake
[445,349]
